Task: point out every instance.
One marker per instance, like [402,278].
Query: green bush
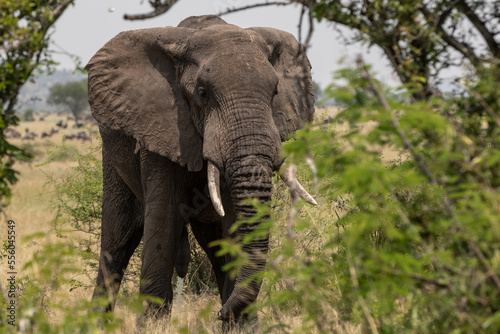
[77,204]
[32,150]
[43,303]
[403,244]
[29,115]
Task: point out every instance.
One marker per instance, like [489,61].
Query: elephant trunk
[250,177]
[242,142]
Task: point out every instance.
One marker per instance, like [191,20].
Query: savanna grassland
[404,239]
[31,203]
[63,302]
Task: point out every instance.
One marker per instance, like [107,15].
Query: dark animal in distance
[29,135]
[61,124]
[82,135]
[49,134]
[10,133]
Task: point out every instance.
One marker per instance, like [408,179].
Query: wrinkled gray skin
[168,100]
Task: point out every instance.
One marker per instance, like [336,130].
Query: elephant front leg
[122,228]
[162,231]
[205,233]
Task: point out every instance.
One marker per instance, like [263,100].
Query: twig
[303,51]
[302,11]
[487,107]
[160,8]
[307,42]
[292,175]
[362,302]
[264,4]
[421,164]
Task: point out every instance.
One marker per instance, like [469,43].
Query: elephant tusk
[214,188]
[288,176]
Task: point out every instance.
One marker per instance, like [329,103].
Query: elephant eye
[202,92]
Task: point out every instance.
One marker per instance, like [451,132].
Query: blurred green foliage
[411,242]
[42,292]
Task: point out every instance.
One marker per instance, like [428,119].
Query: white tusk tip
[311,201]
[220,211]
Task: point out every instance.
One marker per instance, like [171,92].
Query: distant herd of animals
[30,135]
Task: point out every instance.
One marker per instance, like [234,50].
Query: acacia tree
[23,49]
[73,95]
[421,37]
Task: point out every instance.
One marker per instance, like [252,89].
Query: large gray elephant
[180,109]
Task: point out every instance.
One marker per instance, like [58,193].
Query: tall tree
[23,48]
[73,95]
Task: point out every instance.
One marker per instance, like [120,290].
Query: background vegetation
[72,95]
[23,40]
[406,236]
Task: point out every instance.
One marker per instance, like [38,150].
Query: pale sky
[89,24]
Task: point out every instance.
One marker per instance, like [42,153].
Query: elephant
[192,119]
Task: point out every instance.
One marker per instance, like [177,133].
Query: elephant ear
[133,88]
[293,106]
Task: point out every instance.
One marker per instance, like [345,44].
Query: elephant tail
[182,256]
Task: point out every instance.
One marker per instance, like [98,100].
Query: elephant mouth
[289,178]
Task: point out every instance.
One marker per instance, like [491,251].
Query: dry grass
[185,314]
[387,152]
[30,205]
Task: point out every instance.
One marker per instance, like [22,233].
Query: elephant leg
[205,233]
[163,227]
[122,224]
[183,254]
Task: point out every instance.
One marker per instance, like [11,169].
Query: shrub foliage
[412,243]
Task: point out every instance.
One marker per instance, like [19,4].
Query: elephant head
[208,91]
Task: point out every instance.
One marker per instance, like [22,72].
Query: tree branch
[489,38]
[257,5]
[34,54]
[437,21]
[58,11]
[303,50]
[159,6]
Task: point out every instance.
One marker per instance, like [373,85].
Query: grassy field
[31,209]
